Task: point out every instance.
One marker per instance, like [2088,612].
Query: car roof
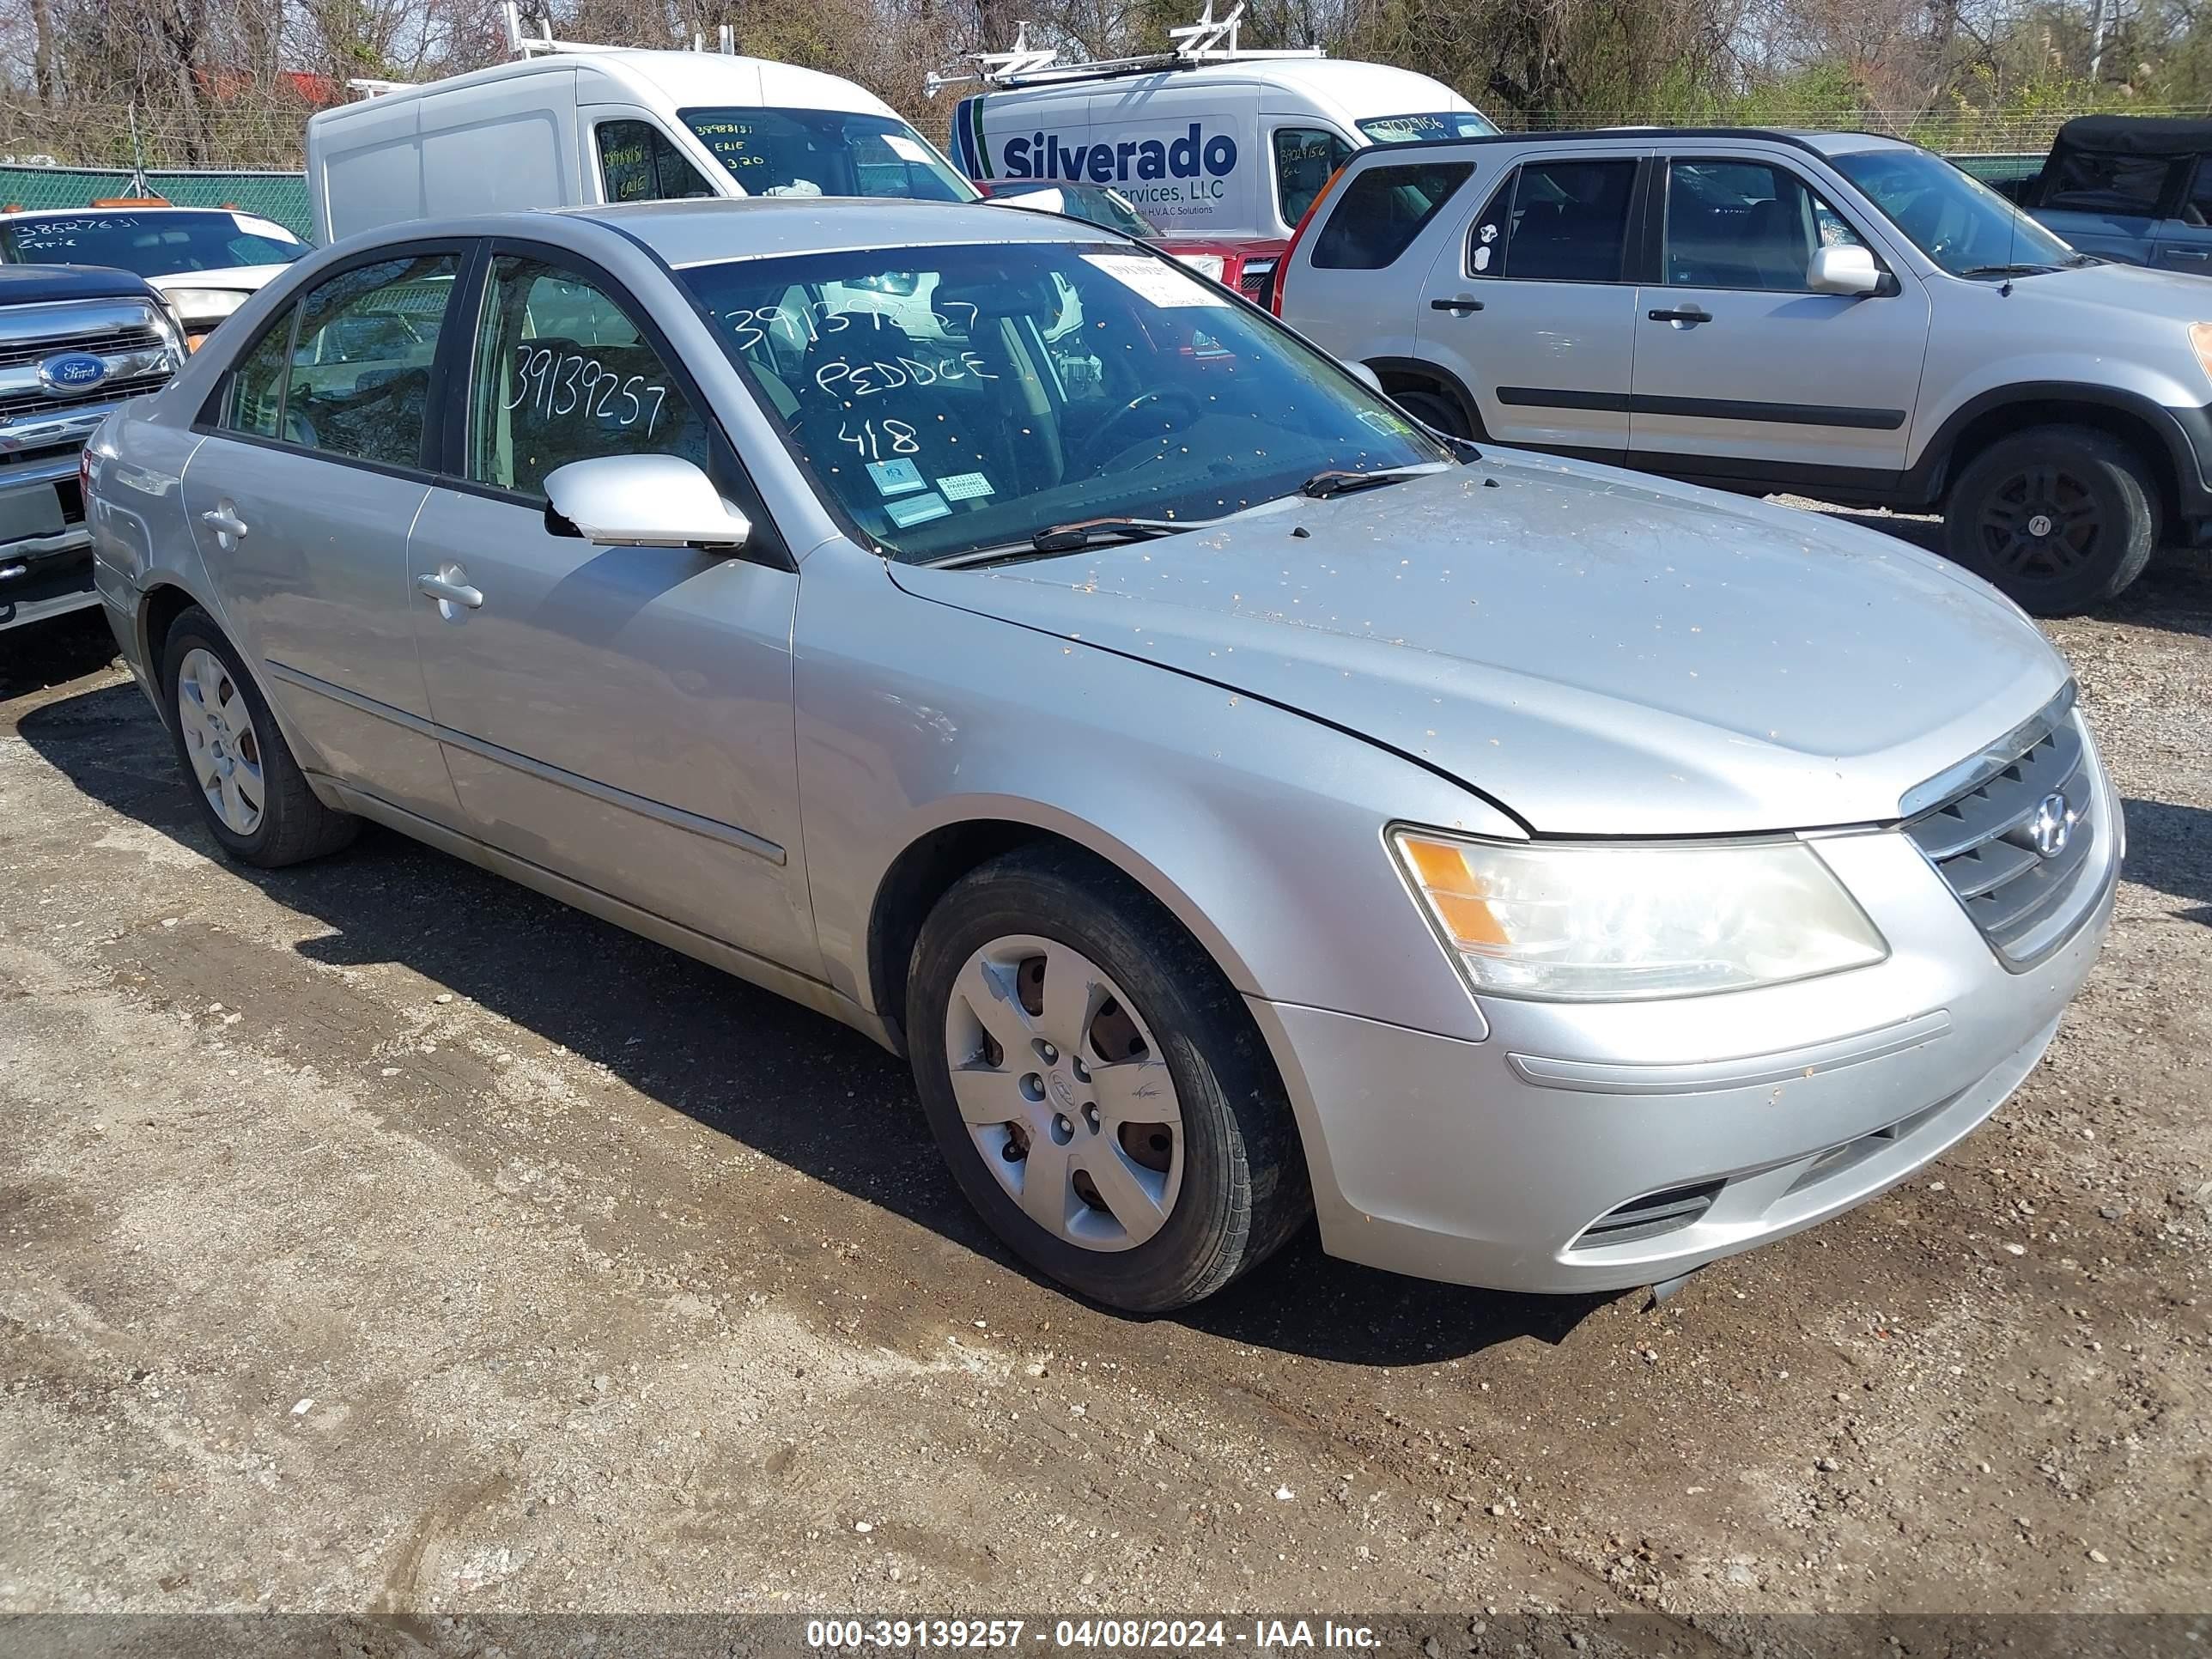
[1820,143]
[708,231]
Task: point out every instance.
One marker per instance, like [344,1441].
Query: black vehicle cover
[2134,135]
[31,285]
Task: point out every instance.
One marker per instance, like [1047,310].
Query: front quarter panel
[1259,829]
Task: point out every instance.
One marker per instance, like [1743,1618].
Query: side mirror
[1359,372]
[1849,271]
[644,500]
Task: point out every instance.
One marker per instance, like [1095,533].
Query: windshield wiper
[2006,271]
[1341,481]
[1084,532]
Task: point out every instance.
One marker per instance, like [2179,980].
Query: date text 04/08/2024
[1116,1634]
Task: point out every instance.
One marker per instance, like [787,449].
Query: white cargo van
[1206,139]
[565,125]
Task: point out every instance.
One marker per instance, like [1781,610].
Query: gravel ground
[380,1236]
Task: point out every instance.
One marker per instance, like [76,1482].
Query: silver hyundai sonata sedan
[1236,802]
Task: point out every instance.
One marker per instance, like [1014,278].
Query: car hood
[237,279]
[1598,652]
[2179,296]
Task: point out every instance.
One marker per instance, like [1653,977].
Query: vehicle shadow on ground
[2170,850]
[789,1084]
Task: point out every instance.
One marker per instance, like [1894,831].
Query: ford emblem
[71,372]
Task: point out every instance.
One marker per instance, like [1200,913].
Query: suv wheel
[1097,1087]
[1433,408]
[251,791]
[2061,518]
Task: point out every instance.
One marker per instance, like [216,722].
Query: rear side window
[2107,184]
[360,379]
[1305,159]
[638,164]
[254,404]
[1383,210]
[1556,221]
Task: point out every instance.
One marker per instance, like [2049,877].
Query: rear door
[302,500]
[1533,308]
[1360,271]
[1741,369]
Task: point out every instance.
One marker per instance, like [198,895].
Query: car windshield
[1093,203]
[952,399]
[158,242]
[1958,222]
[1440,124]
[825,152]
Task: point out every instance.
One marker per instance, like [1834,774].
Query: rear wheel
[251,791]
[2061,518]
[1098,1088]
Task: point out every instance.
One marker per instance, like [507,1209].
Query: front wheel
[2061,518]
[1097,1087]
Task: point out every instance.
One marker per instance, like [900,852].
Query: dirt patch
[381,1236]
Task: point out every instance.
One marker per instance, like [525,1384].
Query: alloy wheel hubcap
[220,741]
[2041,524]
[1065,1092]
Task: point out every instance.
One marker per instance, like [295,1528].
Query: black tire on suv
[2061,518]
[1433,408]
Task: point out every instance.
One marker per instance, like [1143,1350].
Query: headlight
[1208,265]
[210,304]
[1592,922]
[2200,336]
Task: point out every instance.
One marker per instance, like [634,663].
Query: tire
[1228,1173]
[2061,518]
[240,752]
[1433,408]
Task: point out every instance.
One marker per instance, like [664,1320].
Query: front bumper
[1596,1148]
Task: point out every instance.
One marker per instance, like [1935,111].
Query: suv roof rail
[1208,40]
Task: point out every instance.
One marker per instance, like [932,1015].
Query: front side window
[1382,211]
[563,374]
[1442,124]
[2196,206]
[1305,159]
[1556,221]
[1961,223]
[355,380]
[1745,225]
[824,152]
[157,242]
[253,402]
[948,399]
[638,164]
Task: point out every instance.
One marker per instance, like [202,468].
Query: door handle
[1458,304]
[224,520]
[447,590]
[1689,318]
[2188,253]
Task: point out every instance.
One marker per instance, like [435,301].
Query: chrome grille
[1982,839]
[112,343]
[15,406]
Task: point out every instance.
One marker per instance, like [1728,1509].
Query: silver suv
[1846,316]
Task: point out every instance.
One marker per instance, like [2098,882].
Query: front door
[1738,361]
[620,715]
[300,499]
[1533,309]
[2184,241]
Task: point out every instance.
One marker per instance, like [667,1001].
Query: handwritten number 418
[872,440]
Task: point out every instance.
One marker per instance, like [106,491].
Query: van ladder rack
[1208,40]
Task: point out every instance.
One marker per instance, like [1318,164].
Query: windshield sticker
[1384,421]
[1149,279]
[906,149]
[916,509]
[897,477]
[965,487]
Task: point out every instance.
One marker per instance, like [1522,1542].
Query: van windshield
[824,152]
[1440,123]
[951,400]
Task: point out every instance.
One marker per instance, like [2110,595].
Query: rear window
[1382,211]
